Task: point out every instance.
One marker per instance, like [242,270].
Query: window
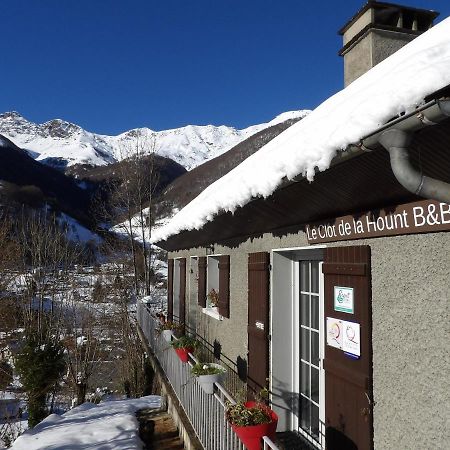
[212,283]
[212,287]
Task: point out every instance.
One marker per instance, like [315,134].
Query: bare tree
[135,201]
[9,254]
[82,343]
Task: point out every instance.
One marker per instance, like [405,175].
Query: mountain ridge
[62,144]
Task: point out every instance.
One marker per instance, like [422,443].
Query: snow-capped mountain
[62,144]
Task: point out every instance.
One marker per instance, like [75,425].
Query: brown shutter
[170,289]
[348,381]
[182,317]
[224,285]
[258,320]
[202,281]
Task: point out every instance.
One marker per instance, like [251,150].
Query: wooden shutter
[348,381]
[258,320]
[170,289]
[182,297]
[202,281]
[224,285]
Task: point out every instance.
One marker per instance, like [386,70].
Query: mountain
[29,182]
[186,187]
[62,144]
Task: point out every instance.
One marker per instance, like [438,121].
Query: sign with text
[334,332]
[411,218]
[343,299]
[351,342]
[344,336]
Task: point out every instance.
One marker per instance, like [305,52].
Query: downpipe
[397,142]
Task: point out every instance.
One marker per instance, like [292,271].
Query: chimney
[377,31]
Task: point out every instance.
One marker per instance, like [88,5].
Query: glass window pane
[304,344]
[315,276]
[304,275]
[304,379]
[315,348]
[305,413]
[304,309]
[315,384]
[315,311]
[315,420]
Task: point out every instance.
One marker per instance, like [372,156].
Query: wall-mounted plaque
[343,299]
[351,342]
[334,332]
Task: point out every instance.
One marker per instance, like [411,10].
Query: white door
[311,417]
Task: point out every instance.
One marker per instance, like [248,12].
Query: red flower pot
[183,353]
[251,436]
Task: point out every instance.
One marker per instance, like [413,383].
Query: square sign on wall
[351,341]
[343,299]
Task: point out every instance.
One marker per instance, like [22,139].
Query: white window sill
[213,312]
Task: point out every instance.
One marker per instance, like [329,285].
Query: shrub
[242,416]
[168,325]
[206,369]
[185,342]
[40,365]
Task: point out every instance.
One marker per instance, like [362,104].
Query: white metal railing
[205,412]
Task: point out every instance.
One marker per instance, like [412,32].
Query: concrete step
[158,431]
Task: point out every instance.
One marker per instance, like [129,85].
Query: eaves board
[364,182]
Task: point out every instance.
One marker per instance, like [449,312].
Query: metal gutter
[430,113]
[396,138]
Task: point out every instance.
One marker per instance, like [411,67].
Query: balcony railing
[205,412]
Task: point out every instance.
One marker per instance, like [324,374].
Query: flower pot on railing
[242,417]
[208,374]
[167,335]
[183,346]
[183,353]
[167,329]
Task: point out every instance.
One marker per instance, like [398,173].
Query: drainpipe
[396,142]
[396,137]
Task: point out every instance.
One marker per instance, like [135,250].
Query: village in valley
[274,286]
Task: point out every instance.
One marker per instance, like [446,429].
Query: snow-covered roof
[396,85]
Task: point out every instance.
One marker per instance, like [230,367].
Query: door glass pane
[304,379]
[315,277]
[304,275]
[305,413]
[309,347]
[315,384]
[315,348]
[315,311]
[315,420]
[304,344]
[304,309]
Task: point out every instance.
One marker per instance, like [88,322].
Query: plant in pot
[207,374]
[166,329]
[183,346]
[251,421]
[213,297]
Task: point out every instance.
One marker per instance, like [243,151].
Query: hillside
[28,182]
[187,187]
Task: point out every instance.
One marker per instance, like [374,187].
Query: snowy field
[107,426]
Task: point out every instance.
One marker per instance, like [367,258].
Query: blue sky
[112,65]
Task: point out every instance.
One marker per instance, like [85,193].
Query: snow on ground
[76,232]
[107,426]
[123,228]
[398,84]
